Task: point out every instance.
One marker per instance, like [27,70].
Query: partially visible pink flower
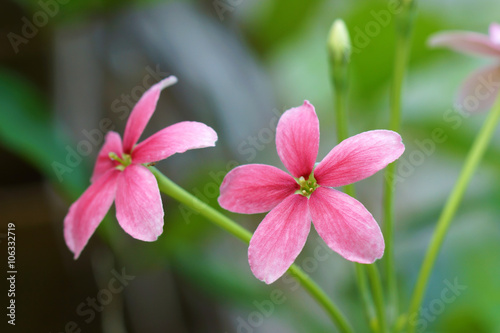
[294,200]
[120,175]
[480,89]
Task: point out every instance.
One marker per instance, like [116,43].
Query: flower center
[308,186]
[124,161]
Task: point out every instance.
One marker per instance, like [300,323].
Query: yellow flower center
[308,186]
[124,161]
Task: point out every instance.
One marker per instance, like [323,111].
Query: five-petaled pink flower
[480,89]
[120,175]
[342,221]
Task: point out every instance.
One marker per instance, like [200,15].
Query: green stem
[339,81]
[178,193]
[365,295]
[320,296]
[339,78]
[387,227]
[402,53]
[378,295]
[471,163]
[340,92]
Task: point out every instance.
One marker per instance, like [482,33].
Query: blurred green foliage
[27,128]
[289,38]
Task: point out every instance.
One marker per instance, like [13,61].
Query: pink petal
[255,188]
[297,139]
[89,210]
[139,209]
[346,226]
[479,91]
[279,239]
[358,157]
[466,42]
[177,138]
[142,112]
[112,144]
[495,33]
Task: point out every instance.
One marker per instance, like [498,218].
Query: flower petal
[176,138]
[466,42]
[139,209]
[359,157]
[279,239]
[479,91]
[142,112]
[87,212]
[297,139]
[346,226]
[255,188]
[112,144]
[495,33]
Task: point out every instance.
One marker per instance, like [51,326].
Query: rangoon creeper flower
[120,175]
[480,89]
[342,221]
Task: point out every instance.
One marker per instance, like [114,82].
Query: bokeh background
[240,64]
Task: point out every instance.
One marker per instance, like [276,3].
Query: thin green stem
[402,53]
[339,79]
[378,296]
[366,296]
[471,163]
[178,193]
[401,58]
[388,227]
[340,93]
[320,296]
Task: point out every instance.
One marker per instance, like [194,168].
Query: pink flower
[120,175]
[480,89]
[342,221]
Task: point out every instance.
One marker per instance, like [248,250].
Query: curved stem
[471,163]
[320,296]
[178,193]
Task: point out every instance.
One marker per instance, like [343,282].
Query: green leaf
[27,129]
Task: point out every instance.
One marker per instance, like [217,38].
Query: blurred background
[71,70]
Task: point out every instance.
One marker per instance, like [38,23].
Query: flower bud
[339,43]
